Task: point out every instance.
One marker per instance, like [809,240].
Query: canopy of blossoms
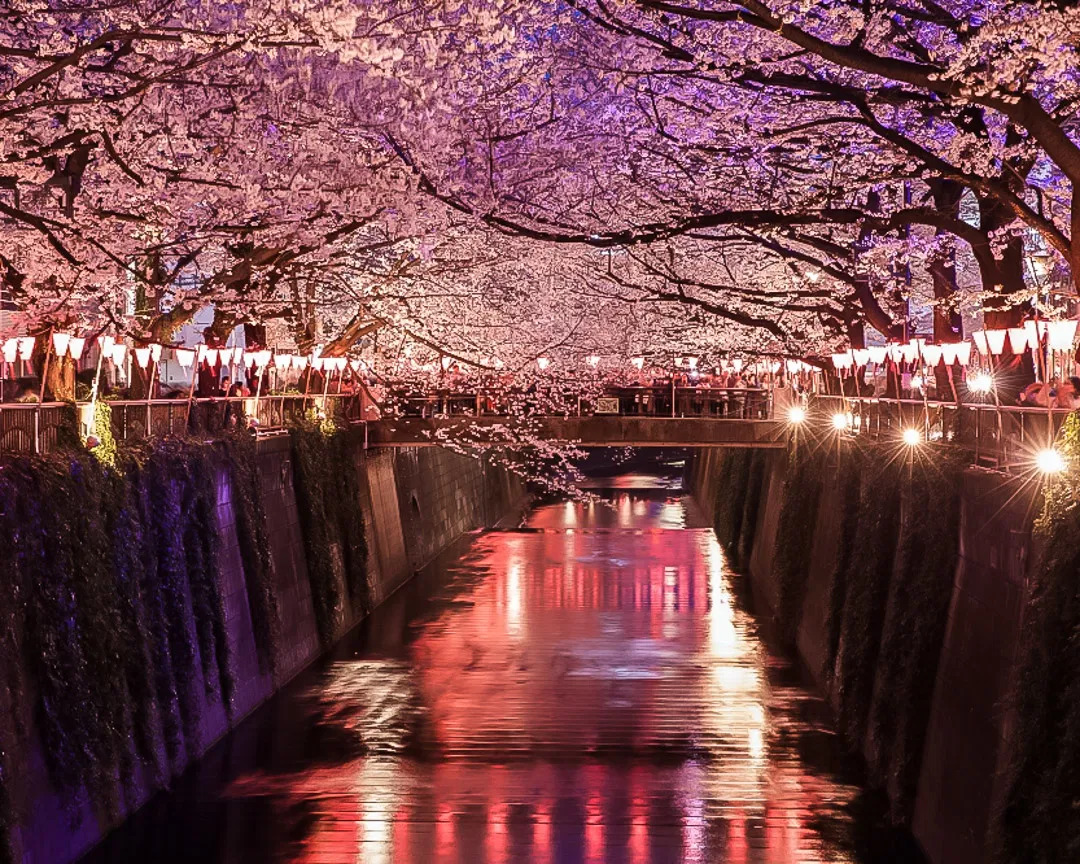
[495,181]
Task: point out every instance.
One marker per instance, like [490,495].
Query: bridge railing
[998,436]
[744,403]
[35,427]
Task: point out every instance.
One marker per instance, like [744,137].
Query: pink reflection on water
[587,696]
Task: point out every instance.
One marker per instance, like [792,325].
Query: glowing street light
[796,414]
[1050,461]
[839,421]
[912,437]
[980,383]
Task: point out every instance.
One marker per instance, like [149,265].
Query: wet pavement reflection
[588,688]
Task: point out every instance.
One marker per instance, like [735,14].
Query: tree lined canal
[587,688]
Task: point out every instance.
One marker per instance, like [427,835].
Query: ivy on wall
[1038,820]
[915,621]
[751,507]
[848,482]
[254,542]
[328,496]
[795,534]
[866,590]
[733,472]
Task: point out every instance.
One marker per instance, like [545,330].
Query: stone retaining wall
[416,502]
[967,727]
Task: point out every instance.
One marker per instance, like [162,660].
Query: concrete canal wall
[961,689]
[415,503]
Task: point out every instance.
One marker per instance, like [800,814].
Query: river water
[588,687]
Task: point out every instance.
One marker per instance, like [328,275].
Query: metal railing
[744,403]
[35,427]
[997,436]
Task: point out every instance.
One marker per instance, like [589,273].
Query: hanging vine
[1038,819]
[795,533]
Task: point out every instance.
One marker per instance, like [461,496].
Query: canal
[587,687]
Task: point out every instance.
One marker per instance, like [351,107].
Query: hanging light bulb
[60,343]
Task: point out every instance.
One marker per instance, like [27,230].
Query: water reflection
[588,692]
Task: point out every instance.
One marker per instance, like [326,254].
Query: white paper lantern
[155,352]
[75,347]
[316,364]
[737,364]
[105,343]
[142,357]
[861,355]
[841,361]
[995,340]
[909,352]
[237,356]
[184,356]
[593,360]
[963,353]
[638,362]
[211,356]
[356,363]
[1019,340]
[878,353]
[282,362]
[896,351]
[979,338]
[300,362]
[948,352]
[931,354]
[1062,334]
[543,363]
[11,350]
[119,352]
[60,343]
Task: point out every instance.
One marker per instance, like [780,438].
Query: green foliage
[113,612]
[849,476]
[752,505]
[915,622]
[795,535]
[328,498]
[254,543]
[866,589]
[1038,820]
[733,471]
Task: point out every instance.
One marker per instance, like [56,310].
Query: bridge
[586,431]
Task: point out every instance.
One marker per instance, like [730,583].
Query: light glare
[1050,461]
[912,437]
[839,421]
[796,414]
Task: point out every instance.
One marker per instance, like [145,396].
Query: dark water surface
[588,688]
